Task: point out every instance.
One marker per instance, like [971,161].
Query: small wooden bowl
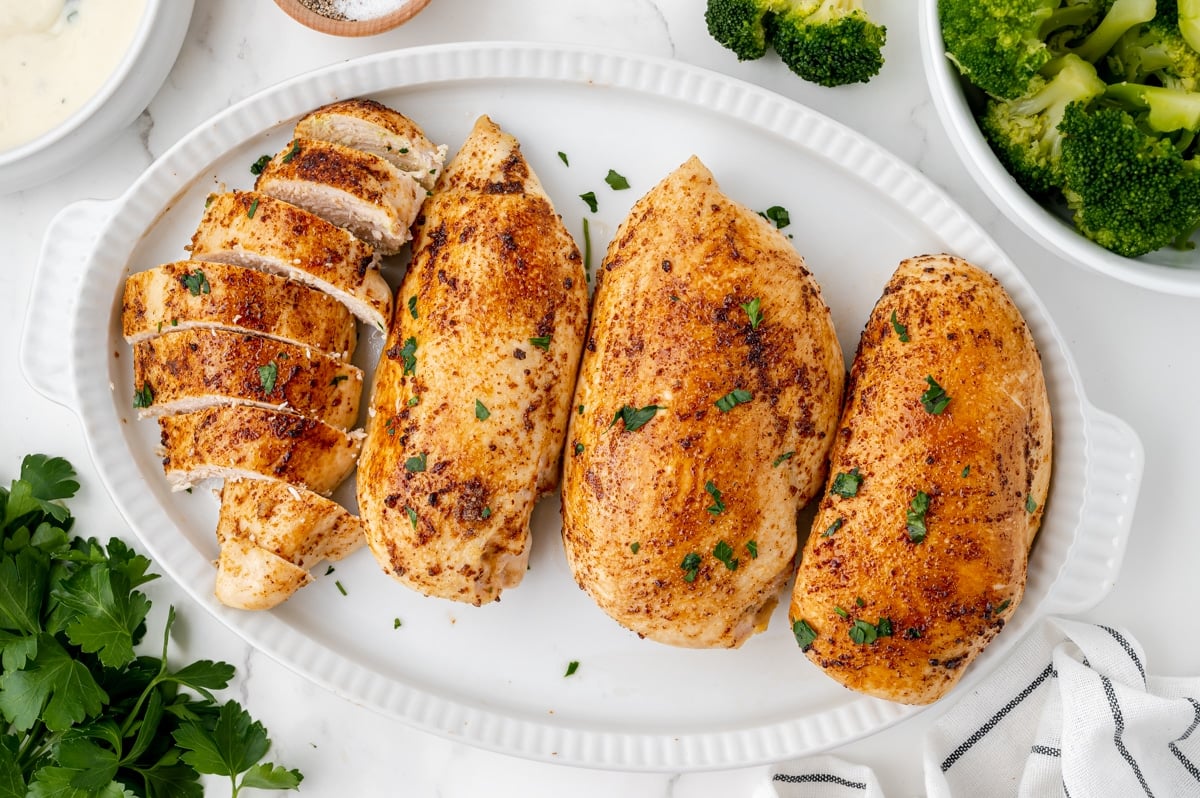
[351,27]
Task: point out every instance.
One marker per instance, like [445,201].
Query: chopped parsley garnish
[724,553]
[858,601]
[934,399]
[587,250]
[413,400]
[884,627]
[562,156]
[777,214]
[481,412]
[340,587]
[144,397]
[912,633]
[900,329]
[253,208]
[542,342]
[590,199]
[578,448]
[863,633]
[412,306]
[1002,606]
[846,484]
[412,516]
[196,283]
[338,378]
[396,624]
[841,612]
[635,547]
[267,375]
[616,181]
[834,527]
[966,470]
[258,166]
[753,310]
[1030,504]
[635,417]
[292,153]
[390,426]
[572,666]
[580,409]
[915,519]
[690,566]
[329,569]
[409,355]
[785,456]
[752,548]
[805,634]
[485,513]
[718,506]
[416,464]
[732,399]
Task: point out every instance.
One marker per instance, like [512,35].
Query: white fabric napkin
[1071,714]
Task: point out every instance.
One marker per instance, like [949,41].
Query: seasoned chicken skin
[280,238]
[361,192]
[926,583]
[243,441]
[372,127]
[174,297]
[189,370]
[705,407]
[271,536]
[473,391]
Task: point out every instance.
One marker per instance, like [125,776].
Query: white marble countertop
[1136,351]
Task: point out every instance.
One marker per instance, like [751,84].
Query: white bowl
[119,100]
[1168,270]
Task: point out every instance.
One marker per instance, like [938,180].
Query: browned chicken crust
[473,391]
[173,297]
[983,462]
[185,371]
[683,529]
[243,441]
[279,237]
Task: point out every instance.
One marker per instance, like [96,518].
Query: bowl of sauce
[73,73]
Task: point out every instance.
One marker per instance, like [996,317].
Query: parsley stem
[587,250]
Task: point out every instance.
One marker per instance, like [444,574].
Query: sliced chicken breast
[361,192]
[372,127]
[189,370]
[473,392]
[197,295]
[242,441]
[271,536]
[254,230]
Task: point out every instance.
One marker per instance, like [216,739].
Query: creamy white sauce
[54,56]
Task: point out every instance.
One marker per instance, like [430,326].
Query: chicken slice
[708,397]
[271,536]
[181,372]
[353,189]
[473,392]
[372,127]
[254,230]
[242,441]
[189,295]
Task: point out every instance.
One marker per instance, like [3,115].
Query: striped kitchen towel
[1071,714]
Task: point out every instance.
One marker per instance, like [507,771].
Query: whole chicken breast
[938,477]
[705,408]
[473,391]
[249,442]
[357,190]
[372,127]
[196,295]
[250,229]
[185,371]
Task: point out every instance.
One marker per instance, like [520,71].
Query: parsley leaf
[965,472]
[542,342]
[1030,504]
[900,329]
[257,167]
[412,516]
[752,548]
[412,306]
[481,412]
[718,506]
[834,527]
[846,484]
[268,776]
[416,464]
[863,633]
[196,283]
[562,156]
[732,399]
[292,153]
[408,353]
[753,312]
[233,745]
[635,417]
[785,456]
[635,547]
[590,199]
[572,666]
[267,375]
[615,181]
[108,613]
[724,553]
[53,687]
[777,214]
[934,400]
[690,566]
[804,633]
[49,478]
[915,518]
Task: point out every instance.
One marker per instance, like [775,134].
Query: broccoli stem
[1189,22]
[1122,16]
[1066,17]
[1168,109]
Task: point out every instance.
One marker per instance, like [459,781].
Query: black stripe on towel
[1045,750]
[1119,731]
[1128,650]
[1188,765]
[979,733]
[819,778]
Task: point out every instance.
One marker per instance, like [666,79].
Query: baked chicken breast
[472,393]
[938,477]
[705,408]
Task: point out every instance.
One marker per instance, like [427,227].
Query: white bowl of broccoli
[1080,119]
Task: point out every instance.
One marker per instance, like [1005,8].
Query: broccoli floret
[1156,53]
[1000,44]
[1130,191]
[1024,132]
[829,42]
[1119,17]
[741,25]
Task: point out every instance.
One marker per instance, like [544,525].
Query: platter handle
[1115,460]
[46,338]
